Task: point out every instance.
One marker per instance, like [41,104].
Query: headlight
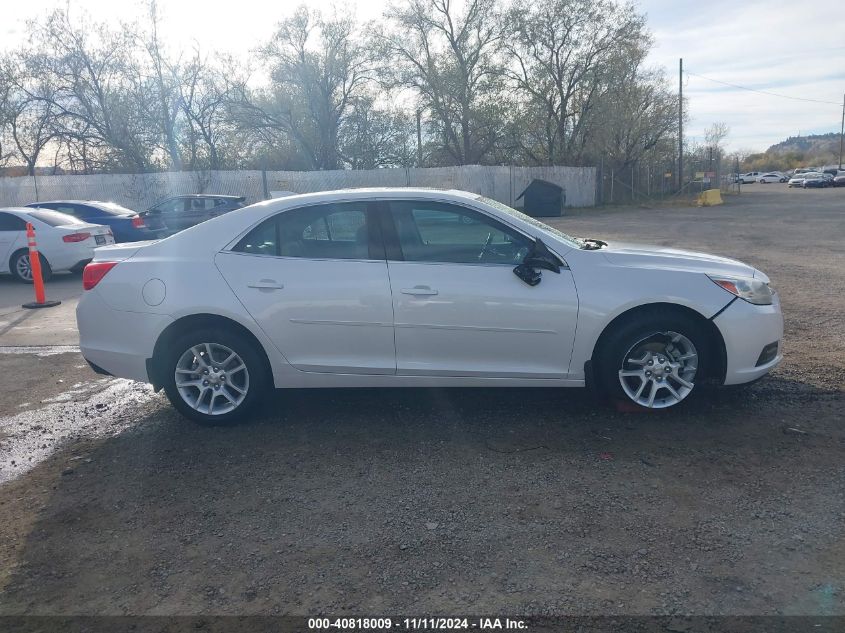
[751,290]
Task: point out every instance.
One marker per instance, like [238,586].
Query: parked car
[839,179]
[797,180]
[64,242]
[750,177]
[180,212]
[816,180]
[349,289]
[772,177]
[126,225]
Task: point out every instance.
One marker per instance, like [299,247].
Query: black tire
[46,270]
[614,346]
[257,368]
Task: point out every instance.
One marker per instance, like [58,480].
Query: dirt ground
[454,501]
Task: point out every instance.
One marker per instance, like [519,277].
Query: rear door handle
[419,291]
[266,284]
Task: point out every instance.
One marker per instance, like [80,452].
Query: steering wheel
[486,246]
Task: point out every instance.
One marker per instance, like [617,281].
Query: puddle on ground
[39,350]
[87,410]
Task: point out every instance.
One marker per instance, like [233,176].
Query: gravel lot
[455,501]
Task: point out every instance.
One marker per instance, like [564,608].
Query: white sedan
[772,177]
[63,241]
[416,288]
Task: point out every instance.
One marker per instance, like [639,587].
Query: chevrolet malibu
[416,288]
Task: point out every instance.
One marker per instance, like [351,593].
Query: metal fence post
[265,189]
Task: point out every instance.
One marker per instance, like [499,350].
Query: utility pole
[842,132]
[681,124]
[419,138]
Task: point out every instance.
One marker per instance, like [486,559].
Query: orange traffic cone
[35,266]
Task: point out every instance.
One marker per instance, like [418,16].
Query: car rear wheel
[214,377]
[21,268]
[653,362]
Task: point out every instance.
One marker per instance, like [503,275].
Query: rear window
[54,218]
[114,209]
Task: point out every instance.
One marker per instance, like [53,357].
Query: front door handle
[266,284]
[419,291]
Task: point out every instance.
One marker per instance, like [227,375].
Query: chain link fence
[656,181]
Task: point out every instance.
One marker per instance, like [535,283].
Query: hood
[641,256]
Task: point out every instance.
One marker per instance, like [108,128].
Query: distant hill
[797,151]
[815,143]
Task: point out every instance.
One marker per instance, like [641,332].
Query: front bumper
[748,330]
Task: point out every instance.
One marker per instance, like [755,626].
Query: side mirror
[529,275]
[539,257]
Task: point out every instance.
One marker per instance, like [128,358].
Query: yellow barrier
[710,198]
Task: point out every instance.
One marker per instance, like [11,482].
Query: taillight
[138,222]
[76,237]
[94,272]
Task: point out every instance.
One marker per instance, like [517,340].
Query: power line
[763,92]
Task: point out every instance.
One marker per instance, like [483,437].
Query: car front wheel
[653,363]
[214,377]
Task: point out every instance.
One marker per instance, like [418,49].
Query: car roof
[205,195]
[18,210]
[426,193]
[27,211]
[89,203]
[216,233]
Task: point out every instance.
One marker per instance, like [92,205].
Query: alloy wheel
[211,378]
[659,370]
[23,268]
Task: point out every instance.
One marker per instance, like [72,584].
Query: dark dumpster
[543,199]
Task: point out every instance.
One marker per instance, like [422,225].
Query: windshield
[568,239]
[54,218]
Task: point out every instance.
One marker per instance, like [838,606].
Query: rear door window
[331,231]
[176,205]
[9,222]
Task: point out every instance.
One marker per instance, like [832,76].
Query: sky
[790,48]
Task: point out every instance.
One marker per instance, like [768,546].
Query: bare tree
[30,121]
[558,59]
[204,99]
[451,60]
[372,137]
[715,135]
[560,82]
[5,96]
[634,117]
[96,90]
[165,83]
[317,67]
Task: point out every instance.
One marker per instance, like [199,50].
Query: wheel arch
[658,309]
[192,322]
